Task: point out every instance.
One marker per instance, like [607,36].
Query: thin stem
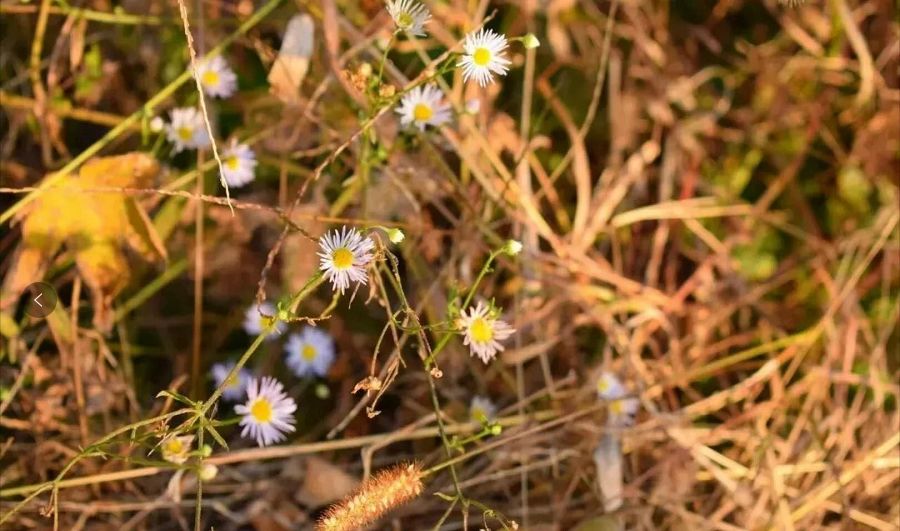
[198,507]
[384,56]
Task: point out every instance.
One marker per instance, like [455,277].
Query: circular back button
[41,299]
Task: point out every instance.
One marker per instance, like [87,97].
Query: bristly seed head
[384,492]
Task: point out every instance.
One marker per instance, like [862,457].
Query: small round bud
[208,472]
[396,235]
[157,124]
[512,247]
[529,41]
[496,429]
[322,391]
[206,450]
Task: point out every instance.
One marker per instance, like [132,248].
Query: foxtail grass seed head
[238,164]
[423,106]
[268,413]
[176,448]
[309,353]
[409,16]
[344,256]
[257,318]
[384,492]
[217,78]
[483,332]
[484,56]
[186,129]
[236,386]
[482,409]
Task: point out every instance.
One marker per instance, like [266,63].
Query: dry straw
[387,490]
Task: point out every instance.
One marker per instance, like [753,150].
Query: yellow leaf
[96,221]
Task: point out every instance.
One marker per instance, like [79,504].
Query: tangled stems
[429,365]
[197,410]
[94,450]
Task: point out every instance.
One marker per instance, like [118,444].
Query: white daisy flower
[621,408]
[238,164]
[217,78]
[344,257]
[186,129]
[268,413]
[235,388]
[482,409]
[175,448]
[257,317]
[483,332]
[609,387]
[409,15]
[423,106]
[309,353]
[622,411]
[484,56]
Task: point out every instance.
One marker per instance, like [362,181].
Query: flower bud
[208,472]
[396,235]
[512,247]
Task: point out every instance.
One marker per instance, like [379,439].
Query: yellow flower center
[602,385]
[342,258]
[404,20]
[231,382]
[481,331]
[185,133]
[308,352]
[479,414]
[174,446]
[617,407]
[261,410]
[422,112]
[210,77]
[232,163]
[481,56]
